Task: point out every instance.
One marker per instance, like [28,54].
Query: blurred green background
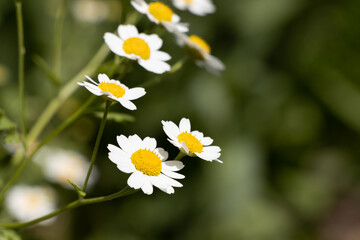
[285,113]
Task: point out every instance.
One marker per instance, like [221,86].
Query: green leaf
[116,117]
[9,235]
[5,123]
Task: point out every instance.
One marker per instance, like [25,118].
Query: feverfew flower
[140,47]
[26,203]
[197,7]
[114,90]
[200,51]
[60,165]
[160,13]
[146,163]
[193,143]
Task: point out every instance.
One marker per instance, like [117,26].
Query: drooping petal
[155,66]
[173,165]
[136,180]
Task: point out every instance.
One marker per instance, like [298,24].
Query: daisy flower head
[26,203]
[193,143]
[113,90]
[146,163]
[160,13]
[140,47]
[197,7]
[60,166]
[200,51]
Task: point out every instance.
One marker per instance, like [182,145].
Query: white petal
[213,65]
[184,125]
[114,43]
[171,129]
[208,156]
[136,180]
[185,148]
[135,140]
[126,168]
[197,134]
[91,80]
[93,89]
[206,141]
[147,187]
[173,174]
[155,66]
[102,77]
[149,143]
[135,93]
[127,104]
[117,150]
[170,181]
[127,31]
[159,55]
[162,153]
[180,4]
[173,165]
[153,40]
[123,142]
[139,5]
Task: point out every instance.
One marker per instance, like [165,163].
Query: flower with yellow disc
[140,47]
[197,7]
[160,13]
[193,143]
[146,163]
[113,90]
[200,51]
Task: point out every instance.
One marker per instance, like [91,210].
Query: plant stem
[180,155]
[60,17]
[21,56]
[80,202]
[97,143]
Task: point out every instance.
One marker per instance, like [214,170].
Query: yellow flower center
[188,1]
[113,88]
[147,162]
[137,46]
[191,142]
[160,11]
[200,43]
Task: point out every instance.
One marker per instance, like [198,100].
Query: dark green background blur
[286,113]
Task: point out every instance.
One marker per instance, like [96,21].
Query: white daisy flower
[114,90]
[26,203]
[140,47]
[193,143]
[197,7]
[146,163]
[60,165]
[159,13]
[200,51]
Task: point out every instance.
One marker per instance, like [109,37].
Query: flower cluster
[148,164]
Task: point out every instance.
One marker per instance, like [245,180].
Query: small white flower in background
[114,90]
[26,203]
[146,163]
[193,143]
[60,165]
[160,13]
[200,51]
[197,7]
[140,47]
[90,10]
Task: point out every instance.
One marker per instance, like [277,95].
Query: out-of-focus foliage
[286,113]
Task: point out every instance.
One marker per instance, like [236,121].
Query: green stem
[180,155]
[56,132]
[21,49]
[97,143]
[66,92]
[80,202]
[60,17]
